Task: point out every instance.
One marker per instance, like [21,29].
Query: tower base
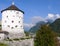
[16,35]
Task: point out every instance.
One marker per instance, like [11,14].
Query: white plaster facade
[2,36]
[12,22]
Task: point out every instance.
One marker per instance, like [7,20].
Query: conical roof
[12,7]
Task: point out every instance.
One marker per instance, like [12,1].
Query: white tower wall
[12,22]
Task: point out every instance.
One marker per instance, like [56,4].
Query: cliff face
[37,26]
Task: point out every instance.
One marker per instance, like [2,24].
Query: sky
[35,10]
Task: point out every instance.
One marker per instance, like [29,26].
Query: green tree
[26,33]
[45,37]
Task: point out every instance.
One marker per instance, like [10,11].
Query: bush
[45,37]
[16,39]
[26,33]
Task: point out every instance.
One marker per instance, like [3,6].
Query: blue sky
[33,8]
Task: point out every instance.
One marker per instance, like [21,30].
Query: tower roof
[12,7]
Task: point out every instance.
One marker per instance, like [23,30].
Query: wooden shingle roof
[12,7]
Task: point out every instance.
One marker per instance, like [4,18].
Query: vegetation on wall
[2,44]
[26,33]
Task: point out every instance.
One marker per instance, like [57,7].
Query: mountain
[56,25]
[37,26]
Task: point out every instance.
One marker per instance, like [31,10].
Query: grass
[17,39]
[2,44]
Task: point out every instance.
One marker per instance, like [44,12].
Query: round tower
[12,21]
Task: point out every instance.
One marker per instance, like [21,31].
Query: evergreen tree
[45,37]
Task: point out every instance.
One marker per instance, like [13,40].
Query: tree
[26,33]
[45,37]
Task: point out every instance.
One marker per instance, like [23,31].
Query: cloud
[28,25]
[50,15]
[33,21]
[58,15]
[36,19]
[53,16]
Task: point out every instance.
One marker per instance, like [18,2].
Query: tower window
[12,27]
[8,25]
[21,26]
[17,12]
[12,21]
[7,16]
[16,26]
[0,37]
[19,21]
[13,16]
[5,21]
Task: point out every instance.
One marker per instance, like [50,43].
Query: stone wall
[26,42]
[16,35]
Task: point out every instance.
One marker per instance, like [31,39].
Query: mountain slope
[36,27]
[56,25]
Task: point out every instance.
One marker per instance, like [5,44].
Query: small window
[8,25]
[21,26]
[7,16]
[5,21]
[0,37]
[12,21]
[16,26]
[12,27]
[13,16]
[19,21]
[17,12]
